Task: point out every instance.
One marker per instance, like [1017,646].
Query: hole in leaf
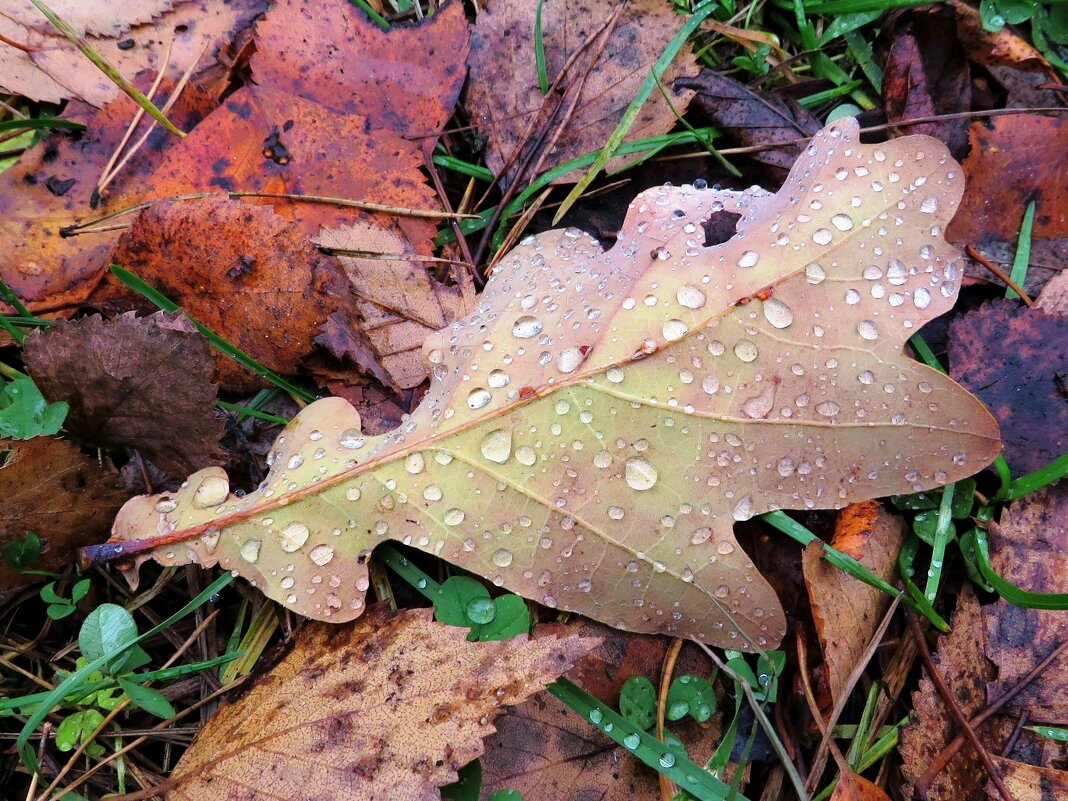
[720,227]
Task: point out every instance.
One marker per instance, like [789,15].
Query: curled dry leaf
[595,428]
[133,36]
[48,487]
[388,707]
[246,273]
[504,98]
[847,611]
[138,382]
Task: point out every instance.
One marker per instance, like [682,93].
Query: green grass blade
[146,290]
[1024,485]
[37,123]
[539,51]
[943,534]
[692,778]
[464,168]
[13,299]
[245,411]
[1010,592]
[635,107]
[1022,259]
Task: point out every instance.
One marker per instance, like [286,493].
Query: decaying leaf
[595,427]
[133,36]
[387,707]
[1013,160]
[847,611]
[546,752]
[1013,358]
[854,787]
[48,487]
[598,77]
[139,382]
[246,273]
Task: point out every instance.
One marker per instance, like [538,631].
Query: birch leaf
[599,422]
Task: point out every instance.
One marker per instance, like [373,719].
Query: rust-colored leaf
[546,752]
[406,79]
[1013,160]
[595,428]
[48,487]
[138,382]
[387,707]
[847,611]
[597,79]
[132,36]
[1013,358]
[246,273]
[854,787]
[1030,782]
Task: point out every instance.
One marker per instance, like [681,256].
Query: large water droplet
[526,327]
[745,350]
[640,475]
[828,408]
[502,557]
[293,536]
[414,463]
[822,236]
[211,492]
[710,384]
[478,398]
[432,493]
[351,438]
[632,741]
[321,555]
[690,296]
[454,517]
[744,509]
[921,298]
[843,222]
[614,374]
[569,360]
[867,330]
[674,329]
[929,205]
[497,379]
[497,445]
[250,550]
[748,259]
[667,759]
[778,313]
[759,406]
[815,273]
[602,460]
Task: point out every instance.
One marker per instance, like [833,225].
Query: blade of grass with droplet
[146,290]
[539,51]
[635,107]
[944,532]
[1022,259]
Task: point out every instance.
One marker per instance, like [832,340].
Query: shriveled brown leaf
[52,185]
[138,382]
[1015,360]
[963,663]
[243,271]
[581,415]
[754,118]
[406,79]
[1029,782]
[400,303]
[129,35]
[1004,48]
[504,100]
[1013,160]
[847,611]
[387,707]
[1029,548]
[48,487]
[926,74]
[547,752]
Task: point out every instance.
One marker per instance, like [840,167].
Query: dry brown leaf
[846,611]
[963,664]
[548,753]
[387,707]
[1004,48]
[399,303]
[53,70]
[48,487]
[1029,548]
[595,428]
[854,787]
[1029,782]
[246,273]
[138,382]
[406,79]
[504,99]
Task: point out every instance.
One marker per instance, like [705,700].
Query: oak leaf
[139,382]
[387,707]
[595,428]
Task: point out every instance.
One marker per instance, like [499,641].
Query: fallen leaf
[595,428]
[1003,48]
[926,74]
[846,611]
[1013,358]
[51,489]
[854,787]
[138,382]
[963,663]
[1029,782]
[247,274]
[546,752]
[754,118]
[406,79]
[53,184]
[1013,160]
[1029,548]
[399,304]
[390,706]
[504,98]
[132,36]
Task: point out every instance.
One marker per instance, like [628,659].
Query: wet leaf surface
[598,79]
[594,455]
[133,382]
[1009,356]
[51,489]
[845,610]
[389,706]
[753,118]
